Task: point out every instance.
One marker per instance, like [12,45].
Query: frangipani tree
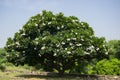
[55,41]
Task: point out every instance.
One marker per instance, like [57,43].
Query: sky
[102,15]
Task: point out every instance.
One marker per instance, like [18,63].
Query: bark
[61,72]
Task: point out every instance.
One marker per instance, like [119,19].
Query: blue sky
[102,15]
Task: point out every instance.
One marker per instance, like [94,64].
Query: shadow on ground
[47,76]
[55,76]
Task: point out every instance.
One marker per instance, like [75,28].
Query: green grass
[29,76]
[25,72]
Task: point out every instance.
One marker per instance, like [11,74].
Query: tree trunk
[61,72]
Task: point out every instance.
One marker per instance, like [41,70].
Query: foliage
[91,69]
[2,59]
[56,42]
[114,48]
[108,67]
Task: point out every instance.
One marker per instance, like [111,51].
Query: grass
[32,76]
[25,72]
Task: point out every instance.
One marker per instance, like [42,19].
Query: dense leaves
[108,67]
[114,48]
[3,59]
[56,42]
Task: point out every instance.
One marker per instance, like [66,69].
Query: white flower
[76,33]
[103,45]
[28,37]
[29,24]
[23,54]
[49,23]
[43,24]
[43,38]
[18,31]
[91,36]
[90,48]
[53,18]
[57,45]
[97,49]
[55,54]
[72,47]
[62,26]
[58,28]
[36,42]
[36,38]
[82,23]
[54,61]
[74,38]
[86,53]
[35,48]
[23,29]
[65,48]
[13,44]
[17,46]
[23,34]
[68,39]
[43,47]
[12,50]
[78,44]
[8,45]
[104,41]
[23,51]
[82,39]
[73,20]
[63,43]
[68,52]
[39,55]
[106,53]
[17,43]
[57,50]
[32,19]
[42,17]
[39,30]
[71,30]
[36,24]
[70,44]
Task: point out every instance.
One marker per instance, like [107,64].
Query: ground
[29,73]
[16,75]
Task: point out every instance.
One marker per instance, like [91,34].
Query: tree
[114,48]
[56,42]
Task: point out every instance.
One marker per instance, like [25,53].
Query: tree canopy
[114,48]
[56,42]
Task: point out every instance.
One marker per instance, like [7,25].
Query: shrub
[108,67]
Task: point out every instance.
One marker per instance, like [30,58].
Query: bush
[108,67]
[2,68]
[2,59]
